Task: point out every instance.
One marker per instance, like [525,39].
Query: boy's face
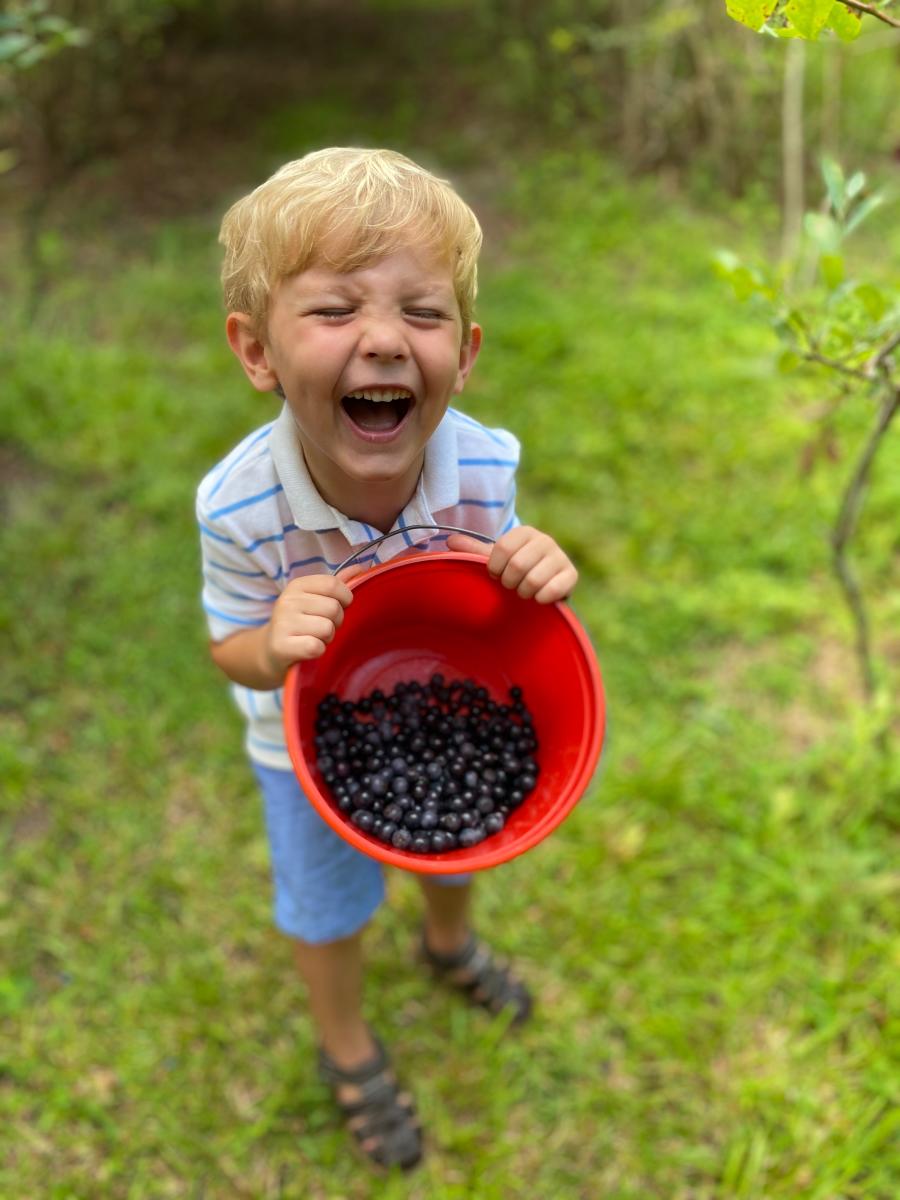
[368,361]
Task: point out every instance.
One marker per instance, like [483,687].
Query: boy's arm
[527,560]
[304,620]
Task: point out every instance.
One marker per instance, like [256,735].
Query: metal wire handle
[482,537]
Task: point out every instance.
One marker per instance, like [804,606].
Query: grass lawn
[712,935]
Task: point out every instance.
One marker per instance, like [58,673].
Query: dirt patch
[20,477]
[31,824]
[827,688]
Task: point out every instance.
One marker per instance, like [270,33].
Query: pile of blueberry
[429,768]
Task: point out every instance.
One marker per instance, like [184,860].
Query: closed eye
[427,314]
[333,314]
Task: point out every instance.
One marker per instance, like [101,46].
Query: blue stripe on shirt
[484,503]
[401,524]
[487,462]
[235,571]
[475,425]
[262,744]
[239,595]
[240,458]
[223,616]
[275,537]
[304,562]
[246,502]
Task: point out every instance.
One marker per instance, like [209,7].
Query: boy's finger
[326,585]
[463,544]
[315,605]
[352,571]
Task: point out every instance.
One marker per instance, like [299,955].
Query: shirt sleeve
[508,518]
[237,593]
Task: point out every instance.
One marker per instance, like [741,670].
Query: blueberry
[402,839]
[470,837]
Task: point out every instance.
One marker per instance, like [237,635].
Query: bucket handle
[482,537]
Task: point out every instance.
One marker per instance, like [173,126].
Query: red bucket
[444,613]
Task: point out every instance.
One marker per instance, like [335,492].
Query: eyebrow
[430,292]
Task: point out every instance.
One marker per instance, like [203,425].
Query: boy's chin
[384,467]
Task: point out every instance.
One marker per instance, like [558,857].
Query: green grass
[712,934]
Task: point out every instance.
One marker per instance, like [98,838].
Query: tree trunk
[792,147]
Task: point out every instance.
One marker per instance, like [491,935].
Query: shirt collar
[437,489]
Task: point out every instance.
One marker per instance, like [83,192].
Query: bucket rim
[478,858]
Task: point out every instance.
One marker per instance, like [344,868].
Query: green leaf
[562,40]
[788,360]
[34,54]
[832,270]
[855,184]
[809,17]
[863,210]
[752,13]
[12,45]
[872,300]
[845,23]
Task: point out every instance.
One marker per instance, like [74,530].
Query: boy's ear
[468,352]
[251,351]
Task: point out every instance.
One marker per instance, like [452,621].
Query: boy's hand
[524,559]
[304,619]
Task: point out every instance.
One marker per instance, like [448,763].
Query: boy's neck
[376,503]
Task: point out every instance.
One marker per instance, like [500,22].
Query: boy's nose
[384,339]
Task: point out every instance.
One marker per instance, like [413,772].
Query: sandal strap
[388,1115]
[491,985]
[372,1068]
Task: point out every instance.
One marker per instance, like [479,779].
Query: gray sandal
[381,1113]
[485,980]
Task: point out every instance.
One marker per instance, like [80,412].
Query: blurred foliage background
[713,933]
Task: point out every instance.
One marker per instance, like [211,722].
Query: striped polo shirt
[263,523]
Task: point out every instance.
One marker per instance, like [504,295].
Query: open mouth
[377,410]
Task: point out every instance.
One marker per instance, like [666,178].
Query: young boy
[349,281]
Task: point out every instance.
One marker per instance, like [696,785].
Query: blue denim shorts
[324,889]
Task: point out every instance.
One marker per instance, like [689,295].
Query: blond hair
[344,208]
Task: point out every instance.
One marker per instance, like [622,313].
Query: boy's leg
[333,974]
[325,894]
[459,958]
[447,909]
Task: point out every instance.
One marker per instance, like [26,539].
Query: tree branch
[844,526]
[834,365]
[877,361]
[870,10]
